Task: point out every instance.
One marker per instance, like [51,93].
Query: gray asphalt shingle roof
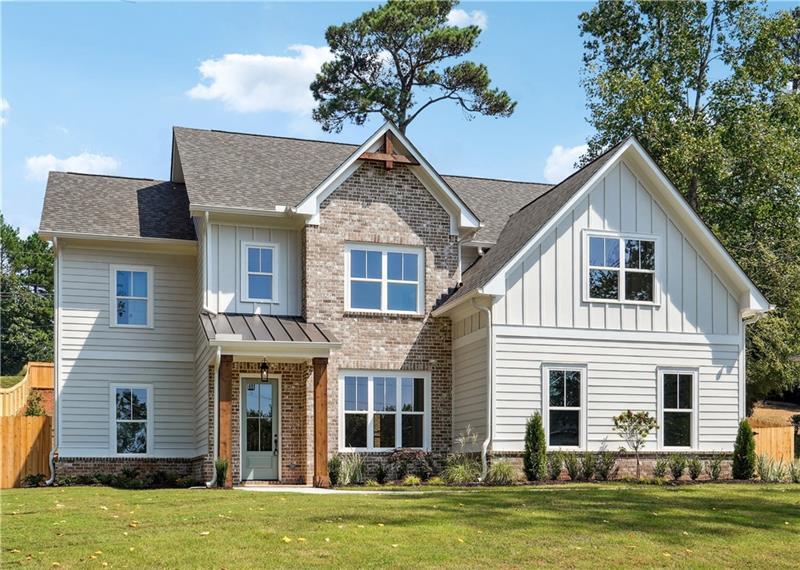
[115,206]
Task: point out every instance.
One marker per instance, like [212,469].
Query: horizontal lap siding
[469,386]
[620,375]
[95,355]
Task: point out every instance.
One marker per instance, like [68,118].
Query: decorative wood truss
[387,155]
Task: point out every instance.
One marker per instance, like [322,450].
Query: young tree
[744,452]
[634,428]
[711,90]
[534,458]
[390,54]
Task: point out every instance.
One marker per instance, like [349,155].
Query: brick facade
[73,466]
[385,207]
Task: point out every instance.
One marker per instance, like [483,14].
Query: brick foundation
[73,466]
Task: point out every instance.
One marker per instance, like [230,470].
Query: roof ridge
[497,179]
[265,136]
[106,175]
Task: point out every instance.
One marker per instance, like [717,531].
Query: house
[279,300]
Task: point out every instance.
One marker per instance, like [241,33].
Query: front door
[260,423]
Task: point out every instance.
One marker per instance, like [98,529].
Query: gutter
[490,390]
[217,358]
[57,365]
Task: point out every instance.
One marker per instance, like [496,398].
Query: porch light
[264,369]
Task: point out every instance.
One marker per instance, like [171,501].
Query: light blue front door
[260,428]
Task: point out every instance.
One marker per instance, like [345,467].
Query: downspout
[217,358]
[57,363]
[490,390]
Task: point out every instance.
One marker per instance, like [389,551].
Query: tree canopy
[388,56]
[712,90]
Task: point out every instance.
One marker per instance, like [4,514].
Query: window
[563,413]
[677,409]
[258,261]
[131,429]
[621,268]
[385,411]
[131,296]
[384,279]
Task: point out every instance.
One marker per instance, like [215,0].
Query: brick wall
[384,207]
[114,465]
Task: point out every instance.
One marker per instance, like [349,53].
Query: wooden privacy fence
[25,444]
[39,375]
[775,442]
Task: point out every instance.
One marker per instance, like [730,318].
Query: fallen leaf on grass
[56,564]
[327,539]
[301,539]
[461,540]
[205,533]
[361,526]
[286,539]
[131,549]
[105,508]
[381,524]
[668,555]
[98,552]
[15,550]
[395,545]
[59,506]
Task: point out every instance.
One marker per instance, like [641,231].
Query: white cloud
[38,166]
[462,18]
[254,83]
[561,162]
[4,106]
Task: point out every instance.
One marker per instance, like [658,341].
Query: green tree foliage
[26,299]
[534,458]
[390,54]
[634,428]
[712,90]
[744,452]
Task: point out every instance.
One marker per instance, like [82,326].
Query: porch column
[225,414]
[321,422]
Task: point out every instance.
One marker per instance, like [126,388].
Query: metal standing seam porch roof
[265,328]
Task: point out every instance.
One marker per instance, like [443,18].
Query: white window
[678,406]
[258,262]
[131,296]
[383,410]
[384,279]
[620,268]
[563,409]
[132,419]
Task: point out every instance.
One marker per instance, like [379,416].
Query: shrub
[588,465]
[794,471]
[660,468]
[34,480]
[634,428]
[435,481]
[371,483]
[404,461]
[606,462]
[771,471]
[677,463]
[501,472]
[221,467]
[534,459]
[554,463]
[715,468]
[695,468]
[461,468]
[352,469]
[380,473]
[744,452]
[412,481]
[573,465]
[34,406]
[334,469]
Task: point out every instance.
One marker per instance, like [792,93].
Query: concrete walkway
[304,489]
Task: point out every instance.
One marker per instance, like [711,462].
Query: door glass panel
[266,434]
[258,399]
[252,434]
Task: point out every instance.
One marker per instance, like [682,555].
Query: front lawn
[597,525]
[12,379]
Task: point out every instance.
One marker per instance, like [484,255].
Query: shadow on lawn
[660,512]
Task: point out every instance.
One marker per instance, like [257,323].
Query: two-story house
[279,300]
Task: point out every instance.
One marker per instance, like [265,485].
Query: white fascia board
[165,244]
[497,284]
[272,349]
[311,203]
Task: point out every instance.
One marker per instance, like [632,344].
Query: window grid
[564,375]
[126,290]
[412,277]
[684,405]
[260,272]
[622,268]
[132,419]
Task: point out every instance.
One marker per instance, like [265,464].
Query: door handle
[275,444]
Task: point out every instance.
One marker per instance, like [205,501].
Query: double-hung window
[677,408]
[621,268]
[258,262]
[132,418]
[384,279]
[385,411]
[131,296]
[564,388]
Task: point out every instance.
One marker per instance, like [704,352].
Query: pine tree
[744,452]
[535,456]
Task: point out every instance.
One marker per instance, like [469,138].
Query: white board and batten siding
[694,323]
[94,355]
[470,359]
[225,269]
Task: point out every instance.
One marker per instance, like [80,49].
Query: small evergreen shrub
[380,473]
[412,481]
[36,480]
[220,466]
[436,481]
[660,467]
[677,464]
[352,469]
[554,463]
[715,468]
[34,406]
[606,463]
[695,468]
[534,459]
[371,483]
[501,472]
[588,464]
[334,469]
[411,461]
[744,452]
[573,465]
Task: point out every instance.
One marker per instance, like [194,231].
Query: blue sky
[99,86]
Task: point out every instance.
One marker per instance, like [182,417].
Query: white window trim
[243,286]
[695,411]
[658,254]
[582,422]
[112,305]
[112,402]
[398,374]
[384,280]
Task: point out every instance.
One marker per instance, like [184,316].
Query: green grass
[9,380]
[597,525]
